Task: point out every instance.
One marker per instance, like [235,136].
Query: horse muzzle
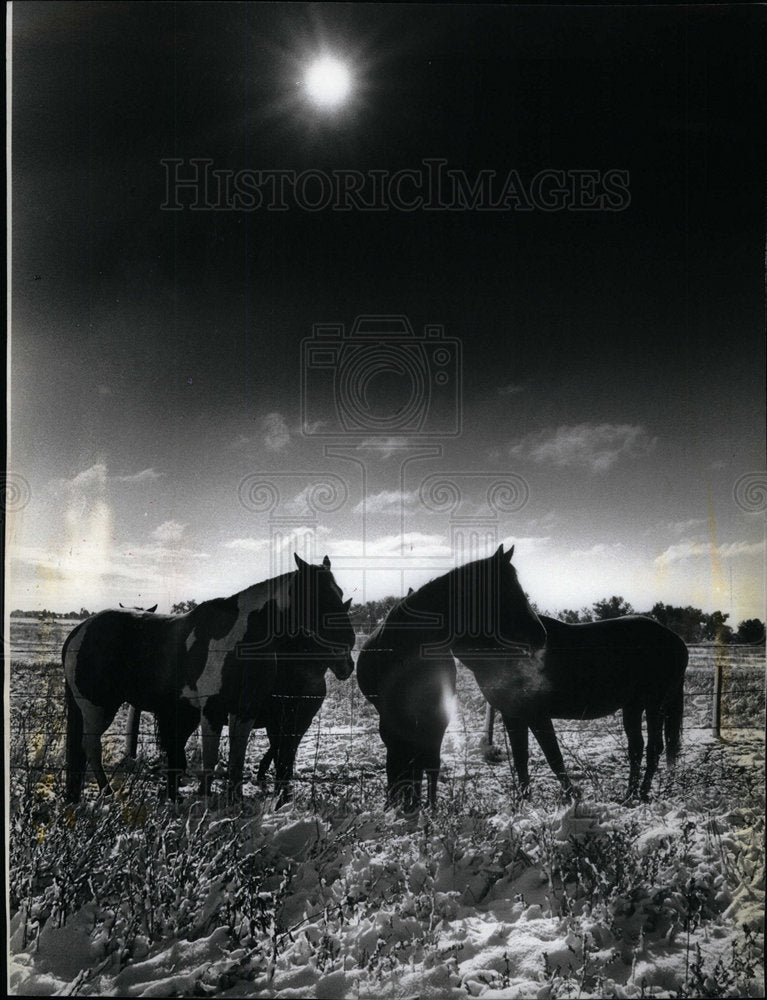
[342,666]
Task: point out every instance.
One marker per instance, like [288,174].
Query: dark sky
[146,338]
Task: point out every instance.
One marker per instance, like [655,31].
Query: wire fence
[342,743]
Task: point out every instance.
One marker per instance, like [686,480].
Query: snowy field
[331,896]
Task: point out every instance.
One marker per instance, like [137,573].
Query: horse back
[118,656]
[588,666]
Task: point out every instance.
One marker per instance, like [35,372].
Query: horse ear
[510,553]
[152,609]
[347,604]
[409,591]
[300,562]
[326,562]
[121,606]
[499,552]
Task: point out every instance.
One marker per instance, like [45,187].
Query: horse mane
[410,604]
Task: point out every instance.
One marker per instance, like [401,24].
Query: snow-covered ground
[587,899]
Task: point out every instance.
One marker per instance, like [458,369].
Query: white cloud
[97,476]
[592,446]
[693,550]
[384,446]
[600,549]
[145,476]
[168,531]
[385,502]
[276,433]
[682,527]
[394,546]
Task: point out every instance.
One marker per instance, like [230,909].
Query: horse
[300,663]
[287,713]
[176,665]
[589,671]
[406,668]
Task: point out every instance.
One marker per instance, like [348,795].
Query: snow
[418,904]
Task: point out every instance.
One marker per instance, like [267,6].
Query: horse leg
[210,727]
[632,725]
[543,731]
[284,764]
[96,721]
[430,759]
[518,738]
[492,754]
[176,726]
[239,730]
[403,776]
[654,750]
[132,731]
[263,767]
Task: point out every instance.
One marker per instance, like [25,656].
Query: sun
[328,82]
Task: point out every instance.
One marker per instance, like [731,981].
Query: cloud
[682,527]
[97,477]
[384,446]
[693,550]
[145,476]
[385,502]
[593,446]
[600,549]
[168,531]
[394,546]
[276,433]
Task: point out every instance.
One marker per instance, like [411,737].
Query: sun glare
[328,82]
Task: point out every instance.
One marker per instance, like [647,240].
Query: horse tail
[75,754]
[672,722]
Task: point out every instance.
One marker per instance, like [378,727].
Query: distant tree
[689,623]
[182,607]
[569,616]
[750,631]
[613,607]
[84,613]
[366,616]
[715,629]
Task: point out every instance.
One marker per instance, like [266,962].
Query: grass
[149,872]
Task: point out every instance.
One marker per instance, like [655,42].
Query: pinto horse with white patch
[589,671]
[298,661]
[174,665]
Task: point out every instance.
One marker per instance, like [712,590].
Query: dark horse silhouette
[287,714]
[586,672]
[300,662]
[176,666]
[407,671]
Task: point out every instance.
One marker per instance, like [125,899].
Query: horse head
[491,612]
[317,605]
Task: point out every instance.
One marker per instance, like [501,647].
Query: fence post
[716,721]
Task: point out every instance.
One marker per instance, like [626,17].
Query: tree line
[692,624]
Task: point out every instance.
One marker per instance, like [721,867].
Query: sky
[509,291]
